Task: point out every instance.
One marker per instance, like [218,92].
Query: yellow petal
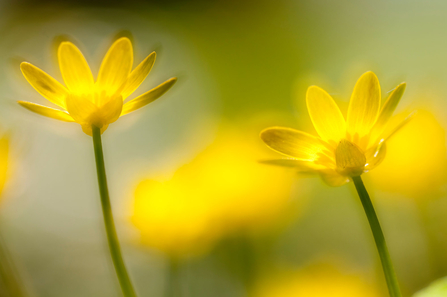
[375,155]
[44,84]
[363,106]
[148,97]
[293,143]
[333,178]
[349,158]
[388,110]
[47,111]
[300,166]
[116,66]
[388,134]
[138,75]
[325,114]
[74,68]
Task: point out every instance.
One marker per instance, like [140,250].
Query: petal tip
[24,64]
[369,74]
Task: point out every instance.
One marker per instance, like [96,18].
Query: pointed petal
[301,166]
[116,66]
[364,105]
[375,155]
[333,178]
[74,68]
[44,84]
[393,130]
[325,114]
[293,143]
[138,75]
[47,111]
[388,110]
[148,97]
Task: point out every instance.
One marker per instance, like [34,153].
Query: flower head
[89,102]
[344,148]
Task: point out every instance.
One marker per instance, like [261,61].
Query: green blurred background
[245,64]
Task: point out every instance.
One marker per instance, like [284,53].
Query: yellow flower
[89,102]
[345,148]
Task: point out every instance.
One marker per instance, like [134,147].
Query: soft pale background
[247,63]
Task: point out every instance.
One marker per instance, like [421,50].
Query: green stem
[390,275]
[173,284]
[112,238]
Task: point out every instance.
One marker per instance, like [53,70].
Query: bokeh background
[196,213]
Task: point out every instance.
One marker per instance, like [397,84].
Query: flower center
[349,158]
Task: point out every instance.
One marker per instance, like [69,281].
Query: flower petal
[293,143]
[363,106]
[325,114]
[44,84]
[47,111]
[116,66]
[388,134]
[333,178]
[74,68]
[387,110]
[138,75]
[375,155]
[301,166]
[148,97]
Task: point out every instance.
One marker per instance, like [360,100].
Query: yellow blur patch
[319,281]
[416,163]
[222,191]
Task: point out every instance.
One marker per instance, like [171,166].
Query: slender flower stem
[173,284]
[112,238]
[390,275]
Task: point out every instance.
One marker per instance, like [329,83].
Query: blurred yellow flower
[222,191]
[4,160]
[89,102]
[427,156]
[344,149]
[319,281]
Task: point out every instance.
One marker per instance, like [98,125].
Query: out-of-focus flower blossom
[4,159]
[344,148]
[421,148]
[89,102]
[316,281]
[222,191]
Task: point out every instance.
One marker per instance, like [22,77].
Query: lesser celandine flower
[91,102]
[94,105]
[345,149]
